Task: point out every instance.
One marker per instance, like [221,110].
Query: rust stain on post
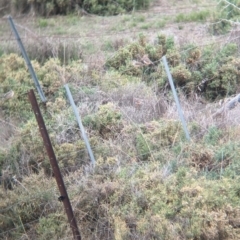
[48,145]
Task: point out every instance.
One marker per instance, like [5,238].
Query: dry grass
[88,34]
[7,129]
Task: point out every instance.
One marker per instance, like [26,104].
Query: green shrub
[112,8]
[27,154]
[191,54]
[219,27]
[156,134]
[211,71]
[214,72]
[26,203]
[181,75]
[141,58]
[49,7]
[14,76]
[107,121]
[144,203]
[227,10]
[142,147]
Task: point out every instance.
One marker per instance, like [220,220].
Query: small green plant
[145,26]
[126,18]
[213,135]
[193,17]
[180,27]
[108,46]
[181,75]
[60,30]
[139,18]
[72,20]
[142,147]
[225,153]
[42,23]
[133,24]
[161,23]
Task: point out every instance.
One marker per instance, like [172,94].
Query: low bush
[140,202]
[227,13]
[210,72]
[106,122]
[141,58]
[15,76]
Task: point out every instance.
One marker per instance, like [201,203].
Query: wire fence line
[103,61]
[62,157]
[89,101]
[211,42]
[66,156]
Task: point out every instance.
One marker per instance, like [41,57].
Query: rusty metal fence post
[48,145]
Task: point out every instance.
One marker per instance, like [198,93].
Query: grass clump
[213,136]
[200,16]
[42,23]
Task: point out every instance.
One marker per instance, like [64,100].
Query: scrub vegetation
[149,181]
